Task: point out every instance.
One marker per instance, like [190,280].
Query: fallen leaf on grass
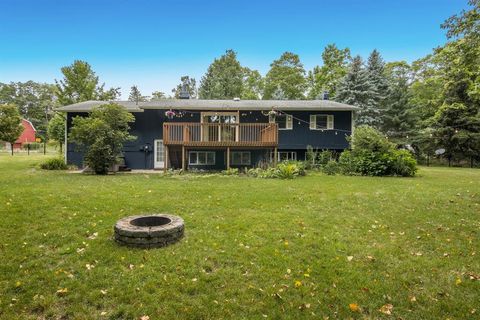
[349,258]
[144,318]
[413,299]
[386,309]
[354,307]
[298,283]
[62,291]
[458,281]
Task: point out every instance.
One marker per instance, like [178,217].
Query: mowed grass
[253,248]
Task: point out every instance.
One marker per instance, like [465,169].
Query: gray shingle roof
[194,104]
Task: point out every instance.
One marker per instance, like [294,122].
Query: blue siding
[148,127]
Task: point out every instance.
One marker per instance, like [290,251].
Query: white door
[158,154]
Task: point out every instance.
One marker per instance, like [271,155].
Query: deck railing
[220,134]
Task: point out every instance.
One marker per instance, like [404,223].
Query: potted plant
[170,114]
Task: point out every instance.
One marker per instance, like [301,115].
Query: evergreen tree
[136,95]
[398,116]
[334,68]
[356,89]
[80,83]
[378,79]
[288,73]
[190,86]
[224,78]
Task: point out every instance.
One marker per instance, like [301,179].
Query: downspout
[65,151]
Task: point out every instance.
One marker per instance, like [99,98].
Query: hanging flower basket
[170,114]
[271,115]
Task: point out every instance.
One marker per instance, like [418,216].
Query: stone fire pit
[149,231]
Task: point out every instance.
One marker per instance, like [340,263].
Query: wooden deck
[191,134]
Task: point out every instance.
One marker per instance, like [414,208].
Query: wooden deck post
[275,151]
[165,159]
[228,158]
[183,158]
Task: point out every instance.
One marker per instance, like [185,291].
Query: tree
[380,88]
[189,85]
[334,68]
[398,117]
[56,129]
[457,122]
[253,85]
[158,95]
[356,89]
[224,78]
[457,130]
[35,101]
[10,124]
[80,83]
[102,135]
[288,73]
[136,95]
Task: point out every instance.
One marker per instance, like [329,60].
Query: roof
[31,124]
[197,104]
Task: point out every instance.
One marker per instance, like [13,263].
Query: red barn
[27,136]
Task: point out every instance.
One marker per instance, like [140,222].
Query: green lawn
[254,249]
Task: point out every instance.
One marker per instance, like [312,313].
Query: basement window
[201,158]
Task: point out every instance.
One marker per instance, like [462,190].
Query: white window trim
[206,158]
[289,157]
[241,157]
[288,124]
[330,122]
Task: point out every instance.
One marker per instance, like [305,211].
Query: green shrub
[404,164]
[231,172]
[366,138]
[54,164]
[347,163]
[331,168]
[324,157]
[284,170]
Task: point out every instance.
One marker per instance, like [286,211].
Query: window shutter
[289,124]
[313,122]
[330,121]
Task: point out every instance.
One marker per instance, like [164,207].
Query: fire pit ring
[149,231]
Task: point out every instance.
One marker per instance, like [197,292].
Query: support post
[165,159]
[275,155]
[183,158]
[228,158]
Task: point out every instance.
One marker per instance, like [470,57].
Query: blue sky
[153,43]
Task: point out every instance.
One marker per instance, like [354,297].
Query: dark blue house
[218,134]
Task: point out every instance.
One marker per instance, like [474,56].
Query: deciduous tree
[80,83]
[10,124]
[288,73]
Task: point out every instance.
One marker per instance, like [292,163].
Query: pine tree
[376,74]
[398,116]
[136,95]
[357,89]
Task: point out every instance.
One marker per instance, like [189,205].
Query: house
[27,136]
[218,134]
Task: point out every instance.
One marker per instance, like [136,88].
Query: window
[285,122]
[284,155]
[201,158]
[241,158]
[321,122]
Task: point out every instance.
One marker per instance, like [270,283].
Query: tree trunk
[11,147]
[61,144]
